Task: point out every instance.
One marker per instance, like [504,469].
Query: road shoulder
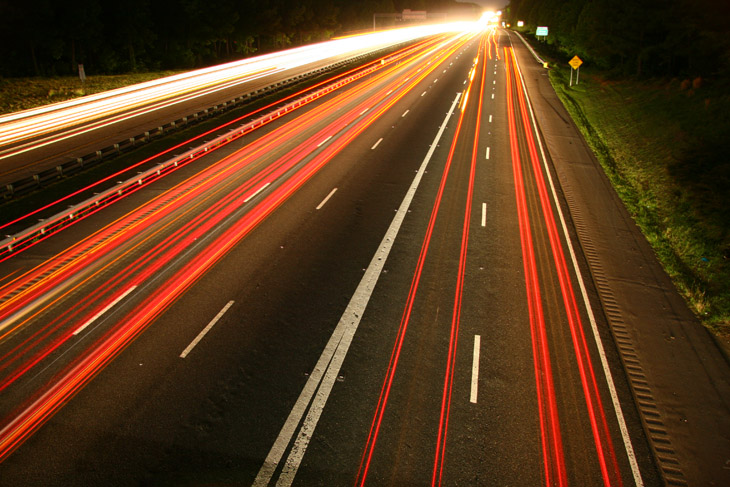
[678,374]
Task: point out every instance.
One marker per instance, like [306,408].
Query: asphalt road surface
[382,288]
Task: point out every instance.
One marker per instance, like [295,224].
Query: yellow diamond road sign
[575,62]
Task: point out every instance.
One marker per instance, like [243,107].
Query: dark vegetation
[50,38]
[654,105]
[642,38]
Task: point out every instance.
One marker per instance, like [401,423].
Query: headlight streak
[257,147]
[32,123]
[120,335]
[57,223]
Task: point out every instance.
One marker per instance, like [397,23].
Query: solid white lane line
[320,382]
[376,144]
[324,201]
[106,308]
[405,113]
[484,214]
[256,193]
[487,152]
[206,329]
[475,369]
[589,309]
[325,140]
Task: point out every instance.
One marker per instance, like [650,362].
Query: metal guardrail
[37,180]
[14,244]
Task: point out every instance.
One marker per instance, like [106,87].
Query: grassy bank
[23,93]
[663,145]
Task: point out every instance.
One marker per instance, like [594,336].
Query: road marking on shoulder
[475,370]
[376,144]
[487,152]
[324,201]
[484,214]
[256,193]
[422,94]
[405,113]
[363,112]
[490,119]
[317,389]
[106,308]
[206,329]
[325,140]
[492,96]
[589,309]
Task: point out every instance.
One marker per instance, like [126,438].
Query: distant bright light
[490,17]
[520,23]
[20,126]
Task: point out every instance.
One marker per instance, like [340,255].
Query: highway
[39,139]
[381,288]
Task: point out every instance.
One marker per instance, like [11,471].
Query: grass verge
[24,93]
[662,144]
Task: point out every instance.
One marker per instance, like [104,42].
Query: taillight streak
[440,457]
[379,413]
[551,439]
[599,425]
[121,334]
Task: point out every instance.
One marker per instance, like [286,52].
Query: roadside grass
[663,145]
[24,93]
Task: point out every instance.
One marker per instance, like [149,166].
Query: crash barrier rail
[31,183]
[14,244]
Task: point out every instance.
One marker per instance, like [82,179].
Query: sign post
[82,74]
[575,65]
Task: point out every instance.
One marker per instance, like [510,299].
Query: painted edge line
[325,372]
[206,329]
[589,309]
[377,143]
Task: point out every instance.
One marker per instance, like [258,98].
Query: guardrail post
[37,179]
[147,136]
[160,130]
[11,190]
[116,148]
[59,170]
[131,141]
[80,161]
[99,155]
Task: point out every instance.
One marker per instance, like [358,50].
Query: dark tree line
[636,37]
[49,37]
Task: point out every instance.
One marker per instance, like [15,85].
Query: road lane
[452,274]
[361,111]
